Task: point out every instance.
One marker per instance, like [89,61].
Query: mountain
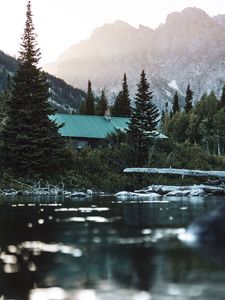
[64,97]
[188,48]
[220,19]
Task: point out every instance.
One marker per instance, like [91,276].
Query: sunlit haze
[61,23]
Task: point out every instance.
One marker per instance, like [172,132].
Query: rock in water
[208,230]
[78,195]
[130,195]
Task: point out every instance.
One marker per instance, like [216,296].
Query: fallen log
[194,190]
[182,172]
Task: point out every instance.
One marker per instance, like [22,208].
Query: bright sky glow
[61,23]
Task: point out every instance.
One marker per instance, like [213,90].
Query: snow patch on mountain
[173,85]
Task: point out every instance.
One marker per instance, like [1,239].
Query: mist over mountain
[64,97]
[188,48]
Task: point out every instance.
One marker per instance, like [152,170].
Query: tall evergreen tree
[176,105]
[222,99]
[102,106]
[188,99]
[122,106]
[144,118]
[118,106]
[89,102]
[32,144]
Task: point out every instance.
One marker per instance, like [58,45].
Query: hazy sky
[61,23]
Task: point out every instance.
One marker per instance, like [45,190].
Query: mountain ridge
[187,49]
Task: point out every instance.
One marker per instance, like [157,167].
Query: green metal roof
[85,126]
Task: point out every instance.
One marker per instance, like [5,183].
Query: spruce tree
[188,99]
[89,103]
[143,120]
[32,144]
[121,106]
[222,99]
[82,109]
[102,106]
[118,106]
[176,106]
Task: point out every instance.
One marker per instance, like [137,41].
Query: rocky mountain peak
[194,11]
[116,27]
[188,48]
[190,29]
[190,19]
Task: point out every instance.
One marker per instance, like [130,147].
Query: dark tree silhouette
[32,145]
[89,107]
[144,118]
[176,105]
[188,99]
[121,106]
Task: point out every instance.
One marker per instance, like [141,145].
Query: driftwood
[48,190]
[44,191]
[32,190]
[182,172]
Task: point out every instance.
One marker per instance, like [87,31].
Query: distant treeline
[202,125]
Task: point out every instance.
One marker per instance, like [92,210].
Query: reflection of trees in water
[132,266]
[16,285]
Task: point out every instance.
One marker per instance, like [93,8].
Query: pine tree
[118,105]
[82,109]
[121,106]
[176,106]
[144,118]
[89,103]
[32,144]
[222,99]
[102,106]
[188,99]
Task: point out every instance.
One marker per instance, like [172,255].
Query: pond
[101,248]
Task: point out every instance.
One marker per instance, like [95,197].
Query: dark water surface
[101,248]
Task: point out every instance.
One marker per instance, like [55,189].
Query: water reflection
[101,249]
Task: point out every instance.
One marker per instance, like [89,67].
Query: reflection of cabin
[84,130]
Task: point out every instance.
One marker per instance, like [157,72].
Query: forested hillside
[64,97]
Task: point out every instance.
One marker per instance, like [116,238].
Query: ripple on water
[52,248]
[82,209]
[97,219]
[149,236]
[55,293]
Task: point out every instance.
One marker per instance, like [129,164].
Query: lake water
[102,248]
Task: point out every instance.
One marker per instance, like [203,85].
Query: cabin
[84,130]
